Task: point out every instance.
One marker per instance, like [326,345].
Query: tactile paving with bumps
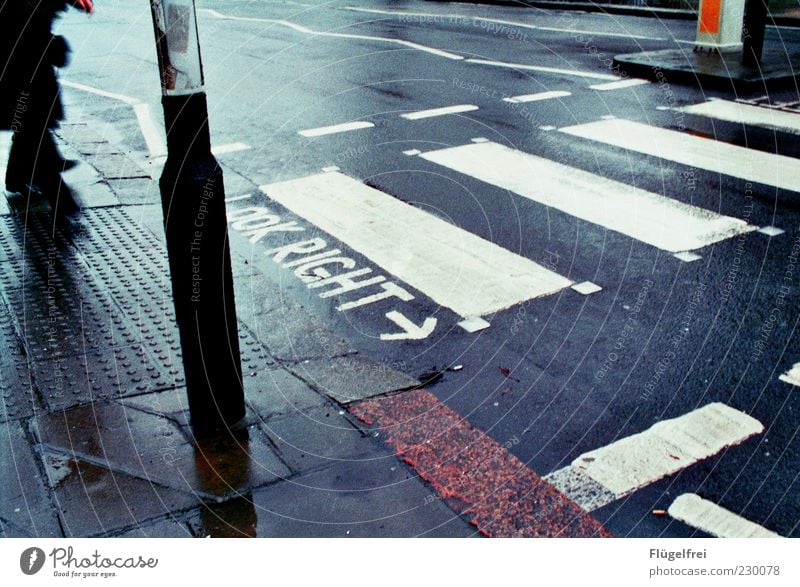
[92,305]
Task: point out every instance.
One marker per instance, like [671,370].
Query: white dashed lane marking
[336,128]
[419,114]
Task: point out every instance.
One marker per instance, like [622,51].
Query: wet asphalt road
[553,377]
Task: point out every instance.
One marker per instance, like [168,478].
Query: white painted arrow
[410,330]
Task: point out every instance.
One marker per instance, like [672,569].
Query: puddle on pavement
[235,518]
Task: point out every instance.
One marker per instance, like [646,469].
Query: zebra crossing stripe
[715,156]
[455,268]
[609,473]
[707,516]
[792,376]
[651,218]
[746,114]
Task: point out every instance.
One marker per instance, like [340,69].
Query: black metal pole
[755,23]
[193,201]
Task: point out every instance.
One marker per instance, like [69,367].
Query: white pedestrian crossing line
[746,114]
[455,268]
[707,516]
[609,473]
[538,97]
[543,69]
[651,218]
[622,84]
[419,114]
[715,156]
[792,376]
[336,128]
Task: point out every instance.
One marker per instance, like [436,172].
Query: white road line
[153,134]
[419,114]
[748,164]
[746,114]
[651,218]
[522,66]
[609,473]
[625,83]
[455,268]
[118,97]
[308,31]
[792,376]
[538,97]
[458,18]
[336,128]
[700,513]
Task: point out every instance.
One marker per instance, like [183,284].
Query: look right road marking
[707,516]
[455,268]
[609,473]
[648,217]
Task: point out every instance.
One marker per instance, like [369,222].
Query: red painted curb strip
[478,477]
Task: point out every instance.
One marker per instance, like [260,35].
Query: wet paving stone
[270,393]
[363,499]
[95,501]
[31,236]
[102,227]
[60,320]
[8,530]
[24,500]
[169,528]
[136,191]
[292,334]
[318,438]
[150,447]
[19,396]
[10,239]
[104,373]
[115,166]
[352,378]
[167,402]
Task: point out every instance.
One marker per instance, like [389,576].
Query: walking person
[30,102]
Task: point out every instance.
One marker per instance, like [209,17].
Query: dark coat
[29,54]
